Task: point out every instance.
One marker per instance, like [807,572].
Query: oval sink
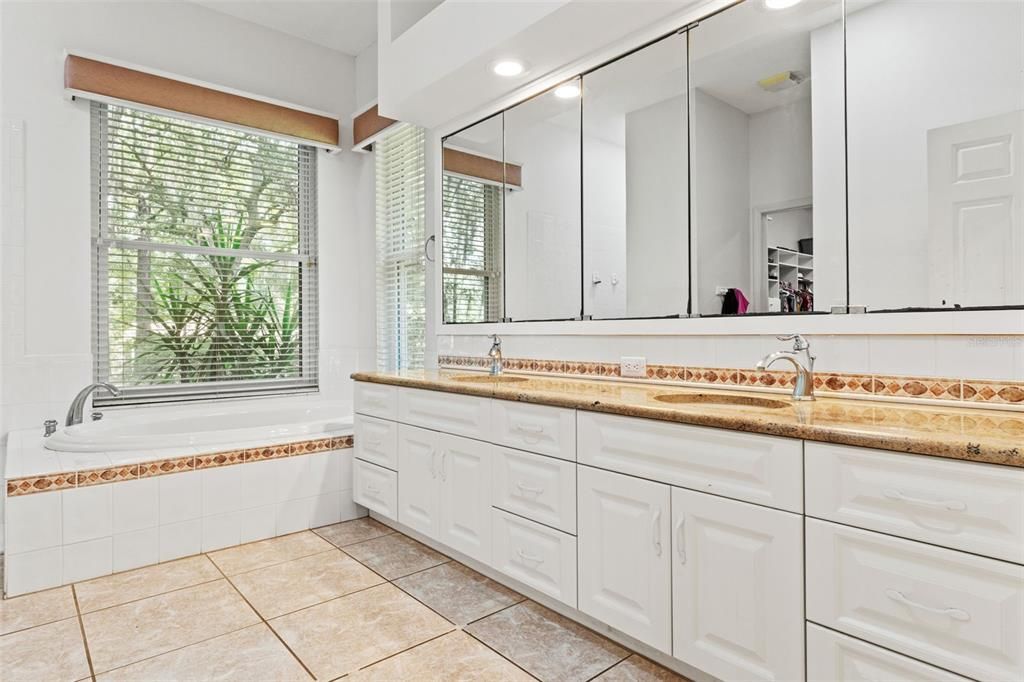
[488,379]
[724,400]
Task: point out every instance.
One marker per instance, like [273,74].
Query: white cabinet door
[541,557]
[623,539]
[462,415]
[465,478]
[832,657]
[418,458]
[374,487]
[537,487]
[737,599]
[376,440]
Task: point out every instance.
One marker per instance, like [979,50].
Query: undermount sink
[489,379]
[726,400]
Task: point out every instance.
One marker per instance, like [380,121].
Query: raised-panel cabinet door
[464,470]
[737,597]
[418,460]
[624,550]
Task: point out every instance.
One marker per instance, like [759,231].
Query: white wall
[605,228]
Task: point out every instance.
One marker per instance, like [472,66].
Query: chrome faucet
[497,362]
[803,389]
[78,404]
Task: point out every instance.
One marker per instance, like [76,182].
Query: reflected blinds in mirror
[471,257]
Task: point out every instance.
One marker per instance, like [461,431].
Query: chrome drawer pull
[528,489]
[954,613]
[372,489]
[656,530]
[529,428]
[681,540]
[529,557]
[898,495]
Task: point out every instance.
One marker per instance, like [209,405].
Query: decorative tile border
[128,472]
[903,388]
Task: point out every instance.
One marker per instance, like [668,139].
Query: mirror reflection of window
[766,106]
[635,177]
[936,144]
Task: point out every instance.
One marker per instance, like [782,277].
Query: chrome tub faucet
[497,362]
[78,404]
[803,389]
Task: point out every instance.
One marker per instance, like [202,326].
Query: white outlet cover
[633,366]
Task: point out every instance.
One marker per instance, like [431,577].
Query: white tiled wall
[65,536]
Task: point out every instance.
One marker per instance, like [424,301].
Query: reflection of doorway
[781,234]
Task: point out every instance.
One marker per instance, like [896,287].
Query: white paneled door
[464,469]
[623,542]
[418,461]
[737,574]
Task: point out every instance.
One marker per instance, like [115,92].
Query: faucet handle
[497,339]
[799,342]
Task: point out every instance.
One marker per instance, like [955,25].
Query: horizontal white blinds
[471,257]
[205,243]
[401,310]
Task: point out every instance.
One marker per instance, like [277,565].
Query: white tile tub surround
[63,536]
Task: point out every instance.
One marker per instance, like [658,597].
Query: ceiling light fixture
[567,91]
[508,68]
[781,4]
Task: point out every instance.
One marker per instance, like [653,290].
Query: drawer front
[762,469]
[537,428]
[970,506]
[537,487]
[376,441]
[954,610]
[376,488]
[462,415]
[832,657]
[538,556]
[376,400]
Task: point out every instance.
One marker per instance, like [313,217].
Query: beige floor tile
[140,629]
[120,588]
[639,669]
[254,653]
[395,555]
[294,585]
[455,656]
[34,609]
[457,592]
[51,652]
[351,532]
[264,553]
[343,635]
[546,644]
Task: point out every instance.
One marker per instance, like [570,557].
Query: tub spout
[78,404]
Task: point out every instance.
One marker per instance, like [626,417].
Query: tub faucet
[803,389]
[497,362]
[78,404]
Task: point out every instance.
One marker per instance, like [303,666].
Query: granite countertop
[977,435]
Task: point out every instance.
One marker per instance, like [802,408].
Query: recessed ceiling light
[781,4]
[567,91]
[509,67]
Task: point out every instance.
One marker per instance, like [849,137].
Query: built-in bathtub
[147,485]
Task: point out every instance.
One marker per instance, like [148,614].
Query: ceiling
[348,26]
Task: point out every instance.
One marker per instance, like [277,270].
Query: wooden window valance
[475,166]
[366,126]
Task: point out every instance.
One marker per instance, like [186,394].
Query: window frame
[492,218]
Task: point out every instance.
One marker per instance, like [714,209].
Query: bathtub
[245,421]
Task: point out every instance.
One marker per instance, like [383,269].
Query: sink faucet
[497,363]
[78,404]
[803,389]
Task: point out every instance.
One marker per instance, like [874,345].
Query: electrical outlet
[633,366]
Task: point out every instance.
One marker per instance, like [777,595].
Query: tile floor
[354,600]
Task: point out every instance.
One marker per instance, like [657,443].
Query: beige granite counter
[976,435]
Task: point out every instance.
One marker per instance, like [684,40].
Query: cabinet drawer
[537,487]
[537,428]
[832,657]
[462,415]
[376,400]
[958,611]
[376,441]
[971,506]
[535,555]
[376,488]
[763,469]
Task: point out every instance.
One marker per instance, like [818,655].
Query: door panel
[465,485]
[418,487]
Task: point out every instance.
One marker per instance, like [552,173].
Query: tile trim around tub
[976,392]
[128,472]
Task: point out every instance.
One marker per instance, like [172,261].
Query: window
[205,259]
[401,311]
[471,256]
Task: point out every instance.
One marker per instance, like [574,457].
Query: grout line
[455,628]
[332,548]
[594,677]
[151,596]
[488,646]
[81,627]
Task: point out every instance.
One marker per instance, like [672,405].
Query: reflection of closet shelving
[788,267]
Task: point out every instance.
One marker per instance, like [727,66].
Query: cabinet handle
[899,495]
[433,463]
[444,465]
[531,432]
[656,531]
[528,489]
[954,613]
[681,539]
[529,557]
[372,489]
[373,441]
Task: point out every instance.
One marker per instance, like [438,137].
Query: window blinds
[471,257]
[205,272]
[401,310]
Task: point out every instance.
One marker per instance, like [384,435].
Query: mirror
[935,104]
[767,159]
[472,224]
[635,184]
[543,240]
